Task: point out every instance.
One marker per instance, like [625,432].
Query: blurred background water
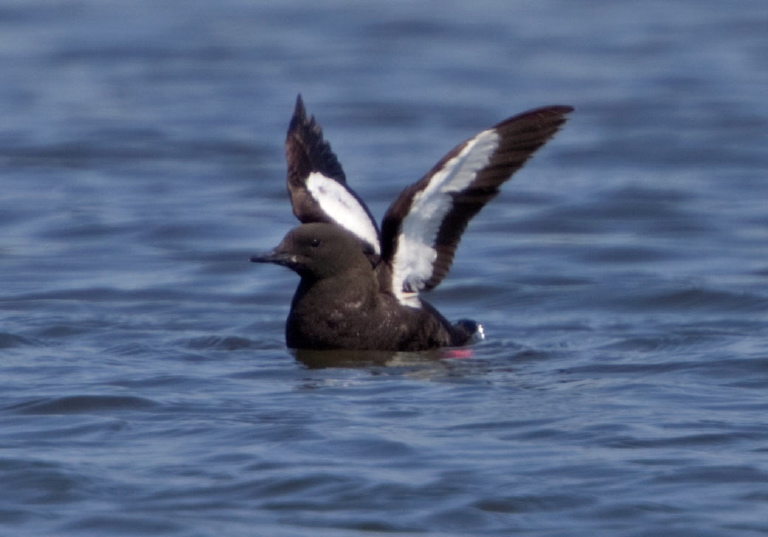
[622,278]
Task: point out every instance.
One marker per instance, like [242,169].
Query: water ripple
[82,404]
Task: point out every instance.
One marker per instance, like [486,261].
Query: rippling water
[622,276]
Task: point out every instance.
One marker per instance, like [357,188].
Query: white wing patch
[415,252]
[343,208]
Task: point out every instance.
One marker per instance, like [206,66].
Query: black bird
[360,286]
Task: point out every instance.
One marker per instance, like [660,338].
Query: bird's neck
[351,288]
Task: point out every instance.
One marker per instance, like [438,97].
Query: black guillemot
[359,287]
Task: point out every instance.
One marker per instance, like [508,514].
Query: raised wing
[317,185]
[423,226]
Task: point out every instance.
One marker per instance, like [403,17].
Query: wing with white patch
[423,226]
[317,185]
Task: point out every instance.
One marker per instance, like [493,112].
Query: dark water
[622,277]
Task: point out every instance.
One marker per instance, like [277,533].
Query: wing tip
[300,121]
[554,113]
[560,109]
[299,112]
[557,112]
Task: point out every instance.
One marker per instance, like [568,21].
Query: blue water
[622,277]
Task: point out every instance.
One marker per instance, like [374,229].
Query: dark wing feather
[307,151]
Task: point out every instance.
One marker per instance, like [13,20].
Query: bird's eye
[315,243]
